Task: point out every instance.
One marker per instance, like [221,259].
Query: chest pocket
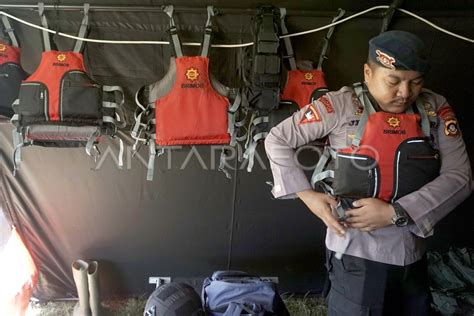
[416,164]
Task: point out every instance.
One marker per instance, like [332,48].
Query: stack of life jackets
[391,155]
[11,72]
[59,105]
[188,106]
[302,86]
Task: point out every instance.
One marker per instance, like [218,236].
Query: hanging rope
[384,7]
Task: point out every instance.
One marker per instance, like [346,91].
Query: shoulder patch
[310,115]
[327,104]
[451,127]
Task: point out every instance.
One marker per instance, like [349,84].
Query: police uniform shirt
[337,115]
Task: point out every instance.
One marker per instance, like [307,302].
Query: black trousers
[364,287]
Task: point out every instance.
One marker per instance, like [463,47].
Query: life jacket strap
[9,30]
[287,41]
[206,43]
[169,9]
[79,46]
[327,38]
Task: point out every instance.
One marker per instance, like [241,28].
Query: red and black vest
[188,106]
[301,88]
[11,72]
[391,154]
[59,105]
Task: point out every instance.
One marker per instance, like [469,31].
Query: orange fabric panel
[301,84]
[192,112]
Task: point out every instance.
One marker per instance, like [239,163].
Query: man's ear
[367,72]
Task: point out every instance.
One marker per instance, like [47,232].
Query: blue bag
[235,293]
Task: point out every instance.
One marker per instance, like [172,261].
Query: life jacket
[391,155]
[59,105]
[188,106]
[301,88]
[11,72]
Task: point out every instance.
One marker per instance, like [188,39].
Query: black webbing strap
[169,9]
[389,14]
[324,51]
[265,80]
[79,46]
[206,43]
[9,31]
[287,41]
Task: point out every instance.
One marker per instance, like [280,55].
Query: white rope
[238,45]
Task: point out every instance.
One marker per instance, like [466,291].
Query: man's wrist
[400,217]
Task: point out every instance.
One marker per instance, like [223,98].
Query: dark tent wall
[191,220]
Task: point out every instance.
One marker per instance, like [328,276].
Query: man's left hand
[369,214]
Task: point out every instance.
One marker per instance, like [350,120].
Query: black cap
[398,50]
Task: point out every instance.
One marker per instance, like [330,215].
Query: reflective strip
[44,22]
[9,30]
[287,40]
[82,30]
[352,157]
[206,43]
[415,141]
[324,51]
[169,9]
[396,177]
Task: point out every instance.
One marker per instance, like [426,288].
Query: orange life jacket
[11,72]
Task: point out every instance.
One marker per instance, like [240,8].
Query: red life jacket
[59,105]
[9,54]
[302,86]
[11,72]
[391,155]
[192,112]
[188,106]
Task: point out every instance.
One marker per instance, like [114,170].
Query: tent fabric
[191,220]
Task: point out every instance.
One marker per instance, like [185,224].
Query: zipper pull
[41,95]
[370,173]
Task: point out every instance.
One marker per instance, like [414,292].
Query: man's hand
[320,204]
[370,214]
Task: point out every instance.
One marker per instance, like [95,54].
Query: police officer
[382,270]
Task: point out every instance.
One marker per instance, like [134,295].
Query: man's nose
[404,90]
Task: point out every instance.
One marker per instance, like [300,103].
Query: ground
[302,306]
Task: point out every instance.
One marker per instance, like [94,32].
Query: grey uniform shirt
[338,120]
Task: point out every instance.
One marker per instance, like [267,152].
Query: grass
[297,306]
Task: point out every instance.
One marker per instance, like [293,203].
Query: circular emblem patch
[3,48]
[308,76]
[393,122]
[192,74]
[61,57]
